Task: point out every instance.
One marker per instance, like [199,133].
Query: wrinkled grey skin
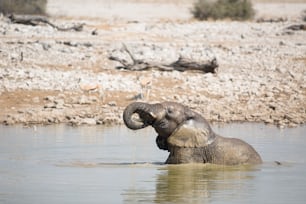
[187,135]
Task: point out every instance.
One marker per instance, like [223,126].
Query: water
[62,164]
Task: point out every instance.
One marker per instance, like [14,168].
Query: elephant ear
[191,134]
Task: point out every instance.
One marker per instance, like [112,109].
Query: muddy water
[61,164]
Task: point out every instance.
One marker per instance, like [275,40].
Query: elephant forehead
[191,134]
[174,105]
[174,111]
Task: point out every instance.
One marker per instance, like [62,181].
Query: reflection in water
[196,183]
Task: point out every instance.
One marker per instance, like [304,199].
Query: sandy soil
[48,76]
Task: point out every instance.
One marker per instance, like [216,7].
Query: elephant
[187,135]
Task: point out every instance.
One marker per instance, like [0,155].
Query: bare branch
[182,64]
[34,20]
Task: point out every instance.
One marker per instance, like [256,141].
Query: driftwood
[36,20]
[297,27]
[182,64]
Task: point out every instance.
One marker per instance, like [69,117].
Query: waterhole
[63,164]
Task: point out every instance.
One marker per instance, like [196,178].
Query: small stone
[94,32]
[49,98]
[50,105]
[68,105]
[112,103]
[93,98]
[59,101]
[61,95]
[50,119]
[87,44]
[281,43]
[45,46]
[88,121]
[70,43]
[60,106]
[84,100]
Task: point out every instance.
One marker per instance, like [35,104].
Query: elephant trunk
[143,110]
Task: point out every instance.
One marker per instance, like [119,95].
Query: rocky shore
[49,76]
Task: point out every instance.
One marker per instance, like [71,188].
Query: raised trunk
[143,110]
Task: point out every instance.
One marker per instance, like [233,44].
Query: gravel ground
[49,76]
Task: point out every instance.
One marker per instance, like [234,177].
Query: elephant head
[165,118]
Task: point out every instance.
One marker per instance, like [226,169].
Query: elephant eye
[169,110]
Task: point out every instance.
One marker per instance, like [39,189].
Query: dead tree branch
[36,20]
[182,64]
[297,27]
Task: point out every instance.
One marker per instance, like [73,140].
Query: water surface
[63,164]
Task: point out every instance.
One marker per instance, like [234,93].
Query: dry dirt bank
[46,75]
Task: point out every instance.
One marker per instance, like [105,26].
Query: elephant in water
[187,135]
